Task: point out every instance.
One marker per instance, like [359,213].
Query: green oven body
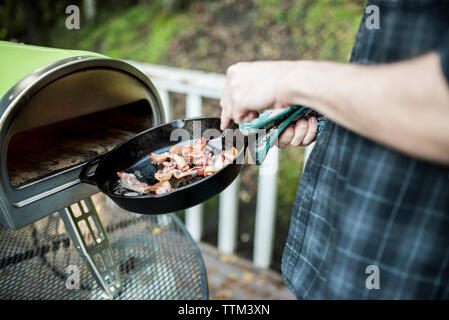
[19,60]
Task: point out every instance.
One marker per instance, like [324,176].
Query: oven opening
[44,151]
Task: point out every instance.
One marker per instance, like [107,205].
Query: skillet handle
[90,179]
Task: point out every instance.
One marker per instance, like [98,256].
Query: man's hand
[252,87]
[302,133]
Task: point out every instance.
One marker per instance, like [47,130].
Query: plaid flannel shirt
[360,203]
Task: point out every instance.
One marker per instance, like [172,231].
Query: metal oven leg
[91,241]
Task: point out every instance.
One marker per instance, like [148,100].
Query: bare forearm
[403,105]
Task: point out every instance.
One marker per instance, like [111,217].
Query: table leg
[90,239]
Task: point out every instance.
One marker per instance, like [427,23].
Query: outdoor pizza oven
[58,110]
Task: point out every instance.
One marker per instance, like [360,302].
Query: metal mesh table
[156,256]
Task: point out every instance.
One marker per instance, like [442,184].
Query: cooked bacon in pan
[181,161]
[192,156]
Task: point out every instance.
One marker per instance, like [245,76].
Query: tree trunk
[32,21]
[90,10]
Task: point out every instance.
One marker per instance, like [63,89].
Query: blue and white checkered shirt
[360,203]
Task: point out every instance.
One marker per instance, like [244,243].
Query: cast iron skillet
[133,154]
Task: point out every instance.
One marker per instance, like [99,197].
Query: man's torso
[362,204]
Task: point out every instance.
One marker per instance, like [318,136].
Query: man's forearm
[403,105]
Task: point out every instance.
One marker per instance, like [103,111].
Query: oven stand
[90,239]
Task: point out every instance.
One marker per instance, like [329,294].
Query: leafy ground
[210,35]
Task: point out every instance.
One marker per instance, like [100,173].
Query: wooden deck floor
[232,277]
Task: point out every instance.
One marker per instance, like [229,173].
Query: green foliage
[290,170]
[267,10]
[141,32]
[294,13]
[12,20]
[330,27]
[267,3]
[325,29]
[164,29]
[30,21]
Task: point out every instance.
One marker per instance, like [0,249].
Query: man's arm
[403,105]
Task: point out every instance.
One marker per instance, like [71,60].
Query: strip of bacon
[184,150]
[229,155]
[161,187]
[187,151]
[209,170]
[165,173]
[164,176]
[156,158]
[199,145]
[200,161]
[176,149]
[179,174]
[130,182]
[198,148]
[181,163]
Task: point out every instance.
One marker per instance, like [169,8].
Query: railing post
[194,215]
[165,99]
[228,218]
[307,151]
[265,210]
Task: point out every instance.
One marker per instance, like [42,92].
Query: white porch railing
[196,85]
